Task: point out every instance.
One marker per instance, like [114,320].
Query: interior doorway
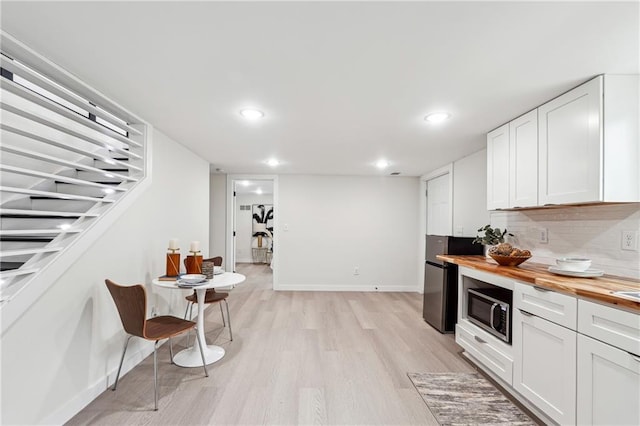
[252,217]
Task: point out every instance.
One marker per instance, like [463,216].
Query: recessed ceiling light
[437,117]
[244,182]
[273,162]
[259,191]
[251,114]
[109,190]
[64,226]
[382,164]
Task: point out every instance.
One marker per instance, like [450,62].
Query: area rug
[466,399]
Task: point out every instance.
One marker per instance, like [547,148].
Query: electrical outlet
[356,271]
[543,236]
[630,240]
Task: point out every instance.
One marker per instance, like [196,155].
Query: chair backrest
[131,302]
[217,261]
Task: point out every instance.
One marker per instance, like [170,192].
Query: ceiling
[342,84]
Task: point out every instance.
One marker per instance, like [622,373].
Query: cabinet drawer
[610,325]
[480,346]
[555,307]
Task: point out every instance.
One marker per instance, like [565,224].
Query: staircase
[67,156]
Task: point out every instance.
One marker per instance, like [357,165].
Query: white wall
[328,225]
[217,214]
[57,356]
[244,224]
[579,231]
[470,194]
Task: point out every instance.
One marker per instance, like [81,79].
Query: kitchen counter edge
[596,289]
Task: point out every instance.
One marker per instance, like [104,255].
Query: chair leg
[224,324]
[204,363]
[155,375]
[190,311]
[124,350]
[171,350]
[229,320]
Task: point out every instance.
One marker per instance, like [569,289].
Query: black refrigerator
[440,303]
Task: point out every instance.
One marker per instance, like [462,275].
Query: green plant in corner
[492,236]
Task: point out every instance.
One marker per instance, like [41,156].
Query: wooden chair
[131,302]
[211,296]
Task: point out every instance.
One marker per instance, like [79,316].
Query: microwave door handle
[493,308]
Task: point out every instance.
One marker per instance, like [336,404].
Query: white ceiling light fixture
[64,226]
[251,114]
[259,191]
[437,117]
[382,164]
[273,162]
[108,190]
[244,182]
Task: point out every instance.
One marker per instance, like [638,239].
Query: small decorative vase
[194,264]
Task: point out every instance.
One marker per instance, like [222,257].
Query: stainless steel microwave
[490,309]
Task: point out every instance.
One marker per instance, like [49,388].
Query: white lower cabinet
[608,384]
[544,367]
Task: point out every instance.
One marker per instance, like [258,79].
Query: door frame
[231,219]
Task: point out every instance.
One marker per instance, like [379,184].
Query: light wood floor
[296,358]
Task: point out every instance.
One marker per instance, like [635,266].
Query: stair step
[11,253]
[30,225]
[87,191]
[18,232]
[15,271]
[50,195]
[62,205]
[25,239]
[44,213]
[9,266]
[101,177]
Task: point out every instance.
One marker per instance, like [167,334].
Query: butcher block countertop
[598,289]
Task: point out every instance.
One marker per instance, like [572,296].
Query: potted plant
[491,237]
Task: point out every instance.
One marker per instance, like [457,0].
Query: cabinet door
[608,384]
[544,365]
[570,146]
[498,168]
[523,160]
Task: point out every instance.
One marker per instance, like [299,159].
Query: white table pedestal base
[190,357]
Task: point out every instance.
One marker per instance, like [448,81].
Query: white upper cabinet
[581,147]
[498,168]
[523,160]
[588,143]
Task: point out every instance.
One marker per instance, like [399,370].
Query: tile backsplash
[577,231]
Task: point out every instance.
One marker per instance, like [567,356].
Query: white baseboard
[80,401]
[338,287]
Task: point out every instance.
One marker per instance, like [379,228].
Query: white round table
[190,357]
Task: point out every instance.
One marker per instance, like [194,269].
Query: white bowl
[575,264]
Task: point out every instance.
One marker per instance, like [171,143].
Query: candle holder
[173,263]
[194,263]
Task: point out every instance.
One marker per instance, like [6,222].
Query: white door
[544,365]
[608,384]
[523,160]
[234,221]
[439,216]
[498,168]
[570,144]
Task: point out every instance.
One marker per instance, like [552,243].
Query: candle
[173,244]
[195,246]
